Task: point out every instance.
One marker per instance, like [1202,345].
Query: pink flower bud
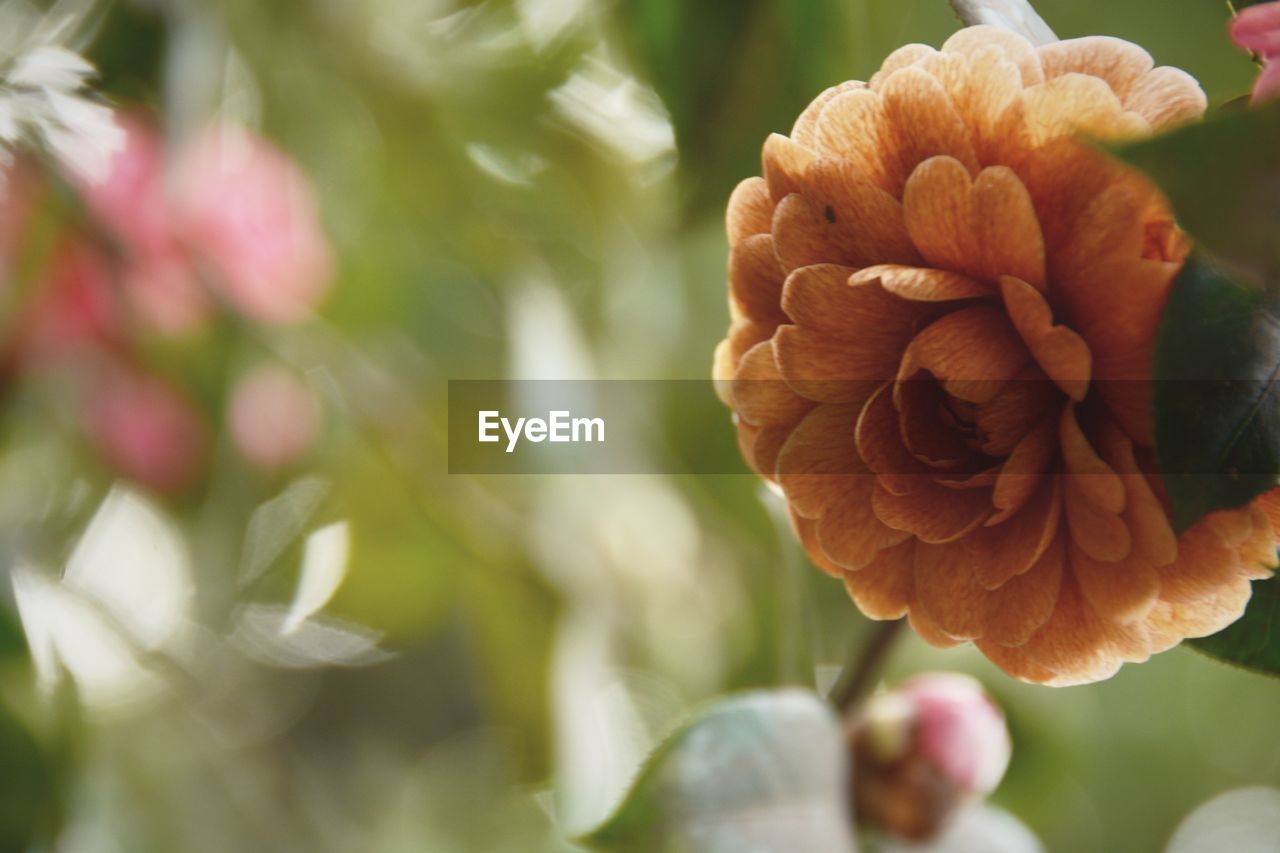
[146,430]
[1257,30]
[273,417]
[961,730]
[247,213]
[924,749]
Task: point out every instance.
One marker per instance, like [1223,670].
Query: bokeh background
[524,189]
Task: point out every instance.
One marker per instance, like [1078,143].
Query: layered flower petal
[945,302]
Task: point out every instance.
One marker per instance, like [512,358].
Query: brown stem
[859,674]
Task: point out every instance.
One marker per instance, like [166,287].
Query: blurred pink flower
[1257,29]
[129,201]
[273,417]
[229,200]
[71,308]
[145,429]
[247,212]
[130,204]
[165,292]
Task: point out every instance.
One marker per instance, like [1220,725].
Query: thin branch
[1014,15]
[859,674]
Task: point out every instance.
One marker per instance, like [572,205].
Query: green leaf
[1217,409]
[13,642]
[1223,178]
[1237,5]
[1253,640]
[28,789]
[763,771]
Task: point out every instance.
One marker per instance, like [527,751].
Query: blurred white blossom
[44,98]
[125,596]
[1244,820]
[271,634]
[324,565]
[624,117]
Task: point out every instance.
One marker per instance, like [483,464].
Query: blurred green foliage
[27,791]
[1217,356]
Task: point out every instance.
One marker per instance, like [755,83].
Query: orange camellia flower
[944,312]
